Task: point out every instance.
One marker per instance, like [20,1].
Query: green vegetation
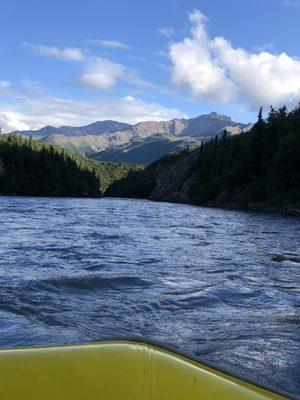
[28,167]
[140,183]
[261,166]
[146,150]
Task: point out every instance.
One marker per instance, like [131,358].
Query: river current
[221,285]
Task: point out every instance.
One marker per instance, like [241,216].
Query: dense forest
[140,183]
[261,166]
[28,167]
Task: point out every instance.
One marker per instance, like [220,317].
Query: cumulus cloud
[166,31]
[97,72]
[65,53]
[101,73]
[264,78]
[115,44]
[195,66]
[27,111]
[216,71]
[10,121]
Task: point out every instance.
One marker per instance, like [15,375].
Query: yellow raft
[116,370]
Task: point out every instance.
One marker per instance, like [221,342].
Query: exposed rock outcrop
[174,181]
[103,136]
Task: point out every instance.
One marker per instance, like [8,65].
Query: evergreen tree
[262,165]
[34,168]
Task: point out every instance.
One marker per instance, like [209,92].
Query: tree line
[258,166]
[29,167]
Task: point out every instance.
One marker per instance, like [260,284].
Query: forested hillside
[256,168]
[28,167]
[146,151]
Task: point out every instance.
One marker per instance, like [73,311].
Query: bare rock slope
[103,136]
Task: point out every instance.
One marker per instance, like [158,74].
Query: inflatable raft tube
[116,370]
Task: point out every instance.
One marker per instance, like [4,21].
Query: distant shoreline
[253,208]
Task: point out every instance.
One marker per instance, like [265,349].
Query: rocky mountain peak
[219,117]
[145,138]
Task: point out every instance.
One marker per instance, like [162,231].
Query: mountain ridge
[95,128]
[172,126]
[103,136]
[259,170]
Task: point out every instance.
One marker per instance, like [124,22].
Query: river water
[221,285]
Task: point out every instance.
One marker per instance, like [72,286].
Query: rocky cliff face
[211,124]
[174,181]
[204,125]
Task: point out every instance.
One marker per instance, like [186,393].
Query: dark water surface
[222,285]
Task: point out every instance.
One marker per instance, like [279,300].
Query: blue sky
[67,62]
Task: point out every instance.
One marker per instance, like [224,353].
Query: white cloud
[166,31]
[10,121]
[98,73]
[195,66]
[65,53]
[33,112]
[137,110]
[213,70]
[101,73]
[109,43]
[263,78]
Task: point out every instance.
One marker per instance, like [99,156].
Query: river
[221,285]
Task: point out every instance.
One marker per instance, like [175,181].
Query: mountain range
[141,143]
[258,170]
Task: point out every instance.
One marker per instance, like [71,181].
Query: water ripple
[223,285]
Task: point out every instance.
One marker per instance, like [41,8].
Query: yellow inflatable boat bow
[116,370]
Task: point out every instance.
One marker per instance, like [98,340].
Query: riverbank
[258,207]
[251,207]
[256,171]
